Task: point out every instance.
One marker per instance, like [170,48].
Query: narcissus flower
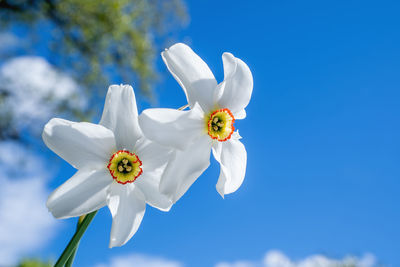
[116,165]
[208,125]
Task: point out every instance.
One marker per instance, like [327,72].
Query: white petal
[149,183]
[154,158]
[192,73]
[81,144]
[185,167]
[235,91]
[121,116]
[127,206]
[232,157]
[171,127]
[152,155]
[81,194]
[240,115]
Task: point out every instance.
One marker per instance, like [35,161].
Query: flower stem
[72,245]
[183,107]
[72,257]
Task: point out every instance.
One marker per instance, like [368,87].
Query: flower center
[125,166]
[220,124]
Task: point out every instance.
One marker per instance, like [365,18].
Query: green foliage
[97,42]
[96,39]
[34,263]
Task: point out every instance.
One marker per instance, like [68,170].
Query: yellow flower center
[125,166]
[220,124]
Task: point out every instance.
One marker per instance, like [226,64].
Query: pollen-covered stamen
[220,124]
[125,166]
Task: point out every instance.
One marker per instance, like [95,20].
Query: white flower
[116,166]
[209,123]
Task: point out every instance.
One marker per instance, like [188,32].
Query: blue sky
[322,137]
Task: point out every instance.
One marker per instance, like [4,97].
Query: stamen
[125,167]
[219,124]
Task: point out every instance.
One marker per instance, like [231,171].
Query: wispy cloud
[276,258]
[34,90]
[140,260]
[9,41]
[25,223]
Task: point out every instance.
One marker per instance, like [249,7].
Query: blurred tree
[96,41]
[97,37]
[34,263]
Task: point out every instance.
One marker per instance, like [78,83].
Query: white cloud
[25,223]
[237,264]
[34,90]
[9,41]
[276,258]
[140,260]
[13,154]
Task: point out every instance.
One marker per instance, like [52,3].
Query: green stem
[72,257]
[73,244]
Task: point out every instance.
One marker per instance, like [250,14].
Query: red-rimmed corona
[220,124]
[124,166]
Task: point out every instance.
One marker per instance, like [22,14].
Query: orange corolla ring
[220,124]
[125,167]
